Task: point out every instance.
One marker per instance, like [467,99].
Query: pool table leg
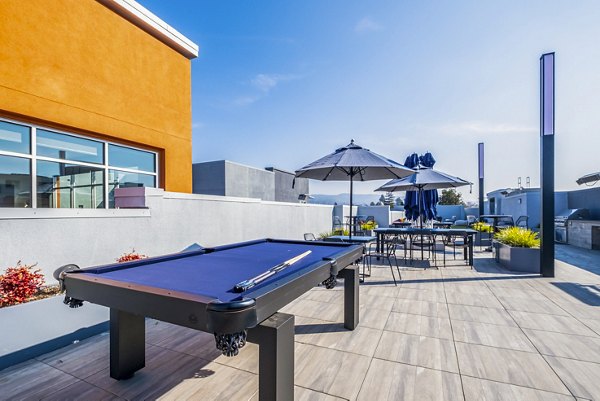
[275,339]
[351,302]
[127,344]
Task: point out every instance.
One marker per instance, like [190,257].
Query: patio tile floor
[450,334]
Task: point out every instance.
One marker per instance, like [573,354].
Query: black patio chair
[309,237]
[389,252]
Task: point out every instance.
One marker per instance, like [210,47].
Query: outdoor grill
[561,223]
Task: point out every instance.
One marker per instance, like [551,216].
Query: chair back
[309,237]
[522,221]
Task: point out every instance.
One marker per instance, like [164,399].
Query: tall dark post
[480,158]
[547,164]
[351,222]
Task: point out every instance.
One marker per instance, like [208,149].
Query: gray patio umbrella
[422,180]
[353,162]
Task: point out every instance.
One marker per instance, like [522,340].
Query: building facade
[94,95]
[226,178]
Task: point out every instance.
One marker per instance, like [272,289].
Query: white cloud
[245,100]
[197,125]
[476,127]
[266,82]
[367,24]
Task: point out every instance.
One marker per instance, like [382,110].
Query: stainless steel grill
[561,223]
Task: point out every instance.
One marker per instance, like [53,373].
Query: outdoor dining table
[356,239]
[466,233]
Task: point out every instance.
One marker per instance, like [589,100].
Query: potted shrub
[36,320]
[518,249]
[368,227]
[484,233]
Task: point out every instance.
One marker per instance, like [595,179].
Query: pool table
[207,289]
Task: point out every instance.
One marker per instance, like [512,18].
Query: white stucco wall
[171,222]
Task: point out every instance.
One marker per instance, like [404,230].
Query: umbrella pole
[351,222]
[421,218]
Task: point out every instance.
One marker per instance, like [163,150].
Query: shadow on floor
[586,259]
[586,293]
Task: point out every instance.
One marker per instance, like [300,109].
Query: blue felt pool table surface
[215,274]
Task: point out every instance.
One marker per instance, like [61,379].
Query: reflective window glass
[120,156]
[61,146]
[15,182]
[14,137]
[64,185]
[122,179]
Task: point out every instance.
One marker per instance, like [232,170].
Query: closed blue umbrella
[424,180]
[429,197]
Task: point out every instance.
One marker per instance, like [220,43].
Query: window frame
[105,166]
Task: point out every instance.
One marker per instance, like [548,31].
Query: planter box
[483,239]
[518,259]
[38,327]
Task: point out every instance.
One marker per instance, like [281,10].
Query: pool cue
[246,284]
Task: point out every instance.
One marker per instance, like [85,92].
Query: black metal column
[127,344]
[351,302]
[480,168]
[547,164]
[275,339]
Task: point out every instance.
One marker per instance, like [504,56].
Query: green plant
[369,225]
[334,232]
[518,237]
[19,284]
[483,227]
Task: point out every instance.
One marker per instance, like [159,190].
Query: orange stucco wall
[75,63]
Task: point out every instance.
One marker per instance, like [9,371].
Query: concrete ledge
[38,327]
[25,213]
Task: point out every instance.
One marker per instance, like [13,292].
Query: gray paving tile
[486,390]
[319,369]
[508,366]
[580,377]
[565,345]
[556,323]
[481,315]
[427,352]
[373,318]
[531,305]
[593,324]
[487,301]
[391,381]
[213,382]
[81,390]
[32,380]
[426,308]
[164,370]
[419,325]
[491,335]
[361,340]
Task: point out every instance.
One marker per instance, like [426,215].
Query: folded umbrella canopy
[353,162]
[422,180]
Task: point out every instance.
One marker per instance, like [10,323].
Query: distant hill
[340,199]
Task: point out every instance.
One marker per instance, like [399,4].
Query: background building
[94,95]
[226,178]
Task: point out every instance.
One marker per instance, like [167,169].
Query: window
[67,147]
[120,156]
[14,138]
[15,182]
[63,185]
[69,171]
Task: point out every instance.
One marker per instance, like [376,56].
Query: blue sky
[282,83]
